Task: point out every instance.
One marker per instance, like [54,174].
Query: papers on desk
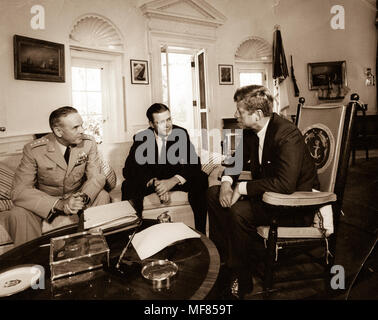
[110,216]
[153,239]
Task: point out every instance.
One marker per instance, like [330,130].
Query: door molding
[197,12]
[194,23]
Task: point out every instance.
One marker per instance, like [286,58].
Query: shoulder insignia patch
[39,142]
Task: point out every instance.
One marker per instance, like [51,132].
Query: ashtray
[160,272]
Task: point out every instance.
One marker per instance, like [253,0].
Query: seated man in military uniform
[59,174]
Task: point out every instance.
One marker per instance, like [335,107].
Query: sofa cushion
[59,222]
[6,205]
[4,235]
[181,213]
[210,160]
[291,232]
[177,198]
[323,220]
[6,180]
[215,176]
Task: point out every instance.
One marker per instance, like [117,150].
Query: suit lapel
[268,141]
[156,151]
[54,154]
[254,157]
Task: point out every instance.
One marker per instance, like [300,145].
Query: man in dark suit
[273,149]
[163,159]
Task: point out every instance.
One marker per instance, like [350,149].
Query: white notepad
[155,238]
[109,214]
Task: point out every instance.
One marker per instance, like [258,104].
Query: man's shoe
[230,293]
[235,289]
[242,285]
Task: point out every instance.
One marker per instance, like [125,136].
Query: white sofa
[179,208]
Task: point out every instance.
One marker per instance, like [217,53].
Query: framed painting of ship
[38,60]
[326,74]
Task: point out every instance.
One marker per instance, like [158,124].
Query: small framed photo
[38,60]
[139,71]
[226,74]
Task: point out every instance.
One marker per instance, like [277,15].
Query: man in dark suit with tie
[273,149]
[58,176]
[162,159]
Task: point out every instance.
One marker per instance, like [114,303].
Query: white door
[183,86]
[203,99]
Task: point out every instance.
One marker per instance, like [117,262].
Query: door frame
[158,40]
[161,39]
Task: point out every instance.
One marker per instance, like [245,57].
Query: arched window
[253,61]
[97,84]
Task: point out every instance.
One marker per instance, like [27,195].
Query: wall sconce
[370,79]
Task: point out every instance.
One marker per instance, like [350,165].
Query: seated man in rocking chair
[274,151]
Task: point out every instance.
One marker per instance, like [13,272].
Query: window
[87,98]
[253,60]
[98,86]
[252,77]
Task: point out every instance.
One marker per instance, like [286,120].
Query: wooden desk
[197,259]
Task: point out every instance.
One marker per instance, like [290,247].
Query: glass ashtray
[160,272]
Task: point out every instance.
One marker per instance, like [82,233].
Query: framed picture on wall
[322,75]
[139,71]
[38,60]
[226,74]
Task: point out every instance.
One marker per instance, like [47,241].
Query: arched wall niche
[254,49]
[96,32]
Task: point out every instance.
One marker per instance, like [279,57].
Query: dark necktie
[256,161]
[67,154]
[163,152]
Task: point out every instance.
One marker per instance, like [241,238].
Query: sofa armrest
[299,198]
[215,175]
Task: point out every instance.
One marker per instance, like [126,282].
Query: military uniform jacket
[43,175]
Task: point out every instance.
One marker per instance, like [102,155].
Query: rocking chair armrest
[299,198]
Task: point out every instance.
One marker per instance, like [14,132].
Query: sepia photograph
[226,74]
[139,71]
[161,152]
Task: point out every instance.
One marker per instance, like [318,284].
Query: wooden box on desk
[76,253]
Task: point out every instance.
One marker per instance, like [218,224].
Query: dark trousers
[196,189]
[233,230]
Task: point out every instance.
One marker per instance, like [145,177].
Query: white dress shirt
[261,135]
[159,142]
[61,147]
